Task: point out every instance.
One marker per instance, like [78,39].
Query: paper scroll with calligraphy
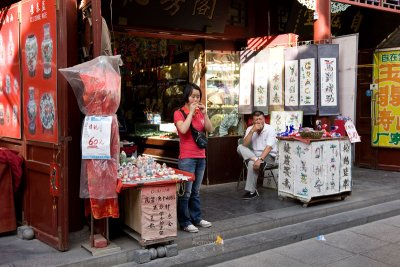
[276,79]
[158,205]
[261,81]
[308,79]
[291,79]
[328,56]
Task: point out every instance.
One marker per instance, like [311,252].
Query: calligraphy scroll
[291,79]
[345,166]
[158,204]
[286,168]
[308,79]
[246,81]
[328,79]
[261,81]
[275,82]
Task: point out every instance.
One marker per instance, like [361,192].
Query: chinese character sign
[386,100]
[38,43]
[10,76]
[158,212]
[96,136]
[352,132]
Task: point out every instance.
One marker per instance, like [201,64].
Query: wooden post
[322,24]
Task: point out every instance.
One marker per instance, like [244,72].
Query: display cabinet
[316,170]
[222,91]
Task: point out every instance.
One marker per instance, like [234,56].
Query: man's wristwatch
[260,158]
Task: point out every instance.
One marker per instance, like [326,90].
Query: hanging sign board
[385,102]
[96,136]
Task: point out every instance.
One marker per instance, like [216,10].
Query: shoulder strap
[184,115]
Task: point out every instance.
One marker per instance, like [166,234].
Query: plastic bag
[97,87]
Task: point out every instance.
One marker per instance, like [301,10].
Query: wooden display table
[150,209]
[314,170]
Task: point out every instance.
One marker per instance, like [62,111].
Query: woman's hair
[189,87]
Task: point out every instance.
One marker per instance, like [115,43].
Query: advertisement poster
[38,43]
[386,99]
[10,77]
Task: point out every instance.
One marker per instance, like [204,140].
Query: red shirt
[187,146]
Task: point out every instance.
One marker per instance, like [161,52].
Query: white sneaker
[204,223]
[191,228]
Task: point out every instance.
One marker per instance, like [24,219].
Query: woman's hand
[202,108]
[193,107]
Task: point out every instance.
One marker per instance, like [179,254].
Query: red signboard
[39,62]
[10,77]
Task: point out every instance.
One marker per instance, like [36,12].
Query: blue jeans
[189,208]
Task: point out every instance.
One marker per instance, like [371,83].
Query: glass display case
[222,91]
[154,92]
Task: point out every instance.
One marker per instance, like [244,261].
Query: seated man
[258,148]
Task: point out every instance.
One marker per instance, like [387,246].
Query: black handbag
[199,137]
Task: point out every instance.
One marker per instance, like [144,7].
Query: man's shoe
[204,223]
[191,228]
[250,195]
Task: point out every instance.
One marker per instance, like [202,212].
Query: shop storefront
[162,46]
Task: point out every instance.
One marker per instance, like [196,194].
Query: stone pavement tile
[389,254]
[357,261]
[379,230]
[353,242]
[393,221]
[13,248]
[313,252]
[267,258]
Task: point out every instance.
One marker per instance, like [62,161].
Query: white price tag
[96,136]
[352,132]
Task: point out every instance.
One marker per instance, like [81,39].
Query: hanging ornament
[310,4]
[338,7]
[335,7]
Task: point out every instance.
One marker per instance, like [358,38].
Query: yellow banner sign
[386,99]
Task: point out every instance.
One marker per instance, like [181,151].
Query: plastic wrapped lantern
[97,87]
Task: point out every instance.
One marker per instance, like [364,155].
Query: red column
[322,26]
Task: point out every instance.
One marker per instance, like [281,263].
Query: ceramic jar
[32,111]
[1,114]
[47,51]
[8,115]
[1,84]
[15,115]
[10,48]
[31,52]
[46,110]
[2,52]
[8,84]
[16,86]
